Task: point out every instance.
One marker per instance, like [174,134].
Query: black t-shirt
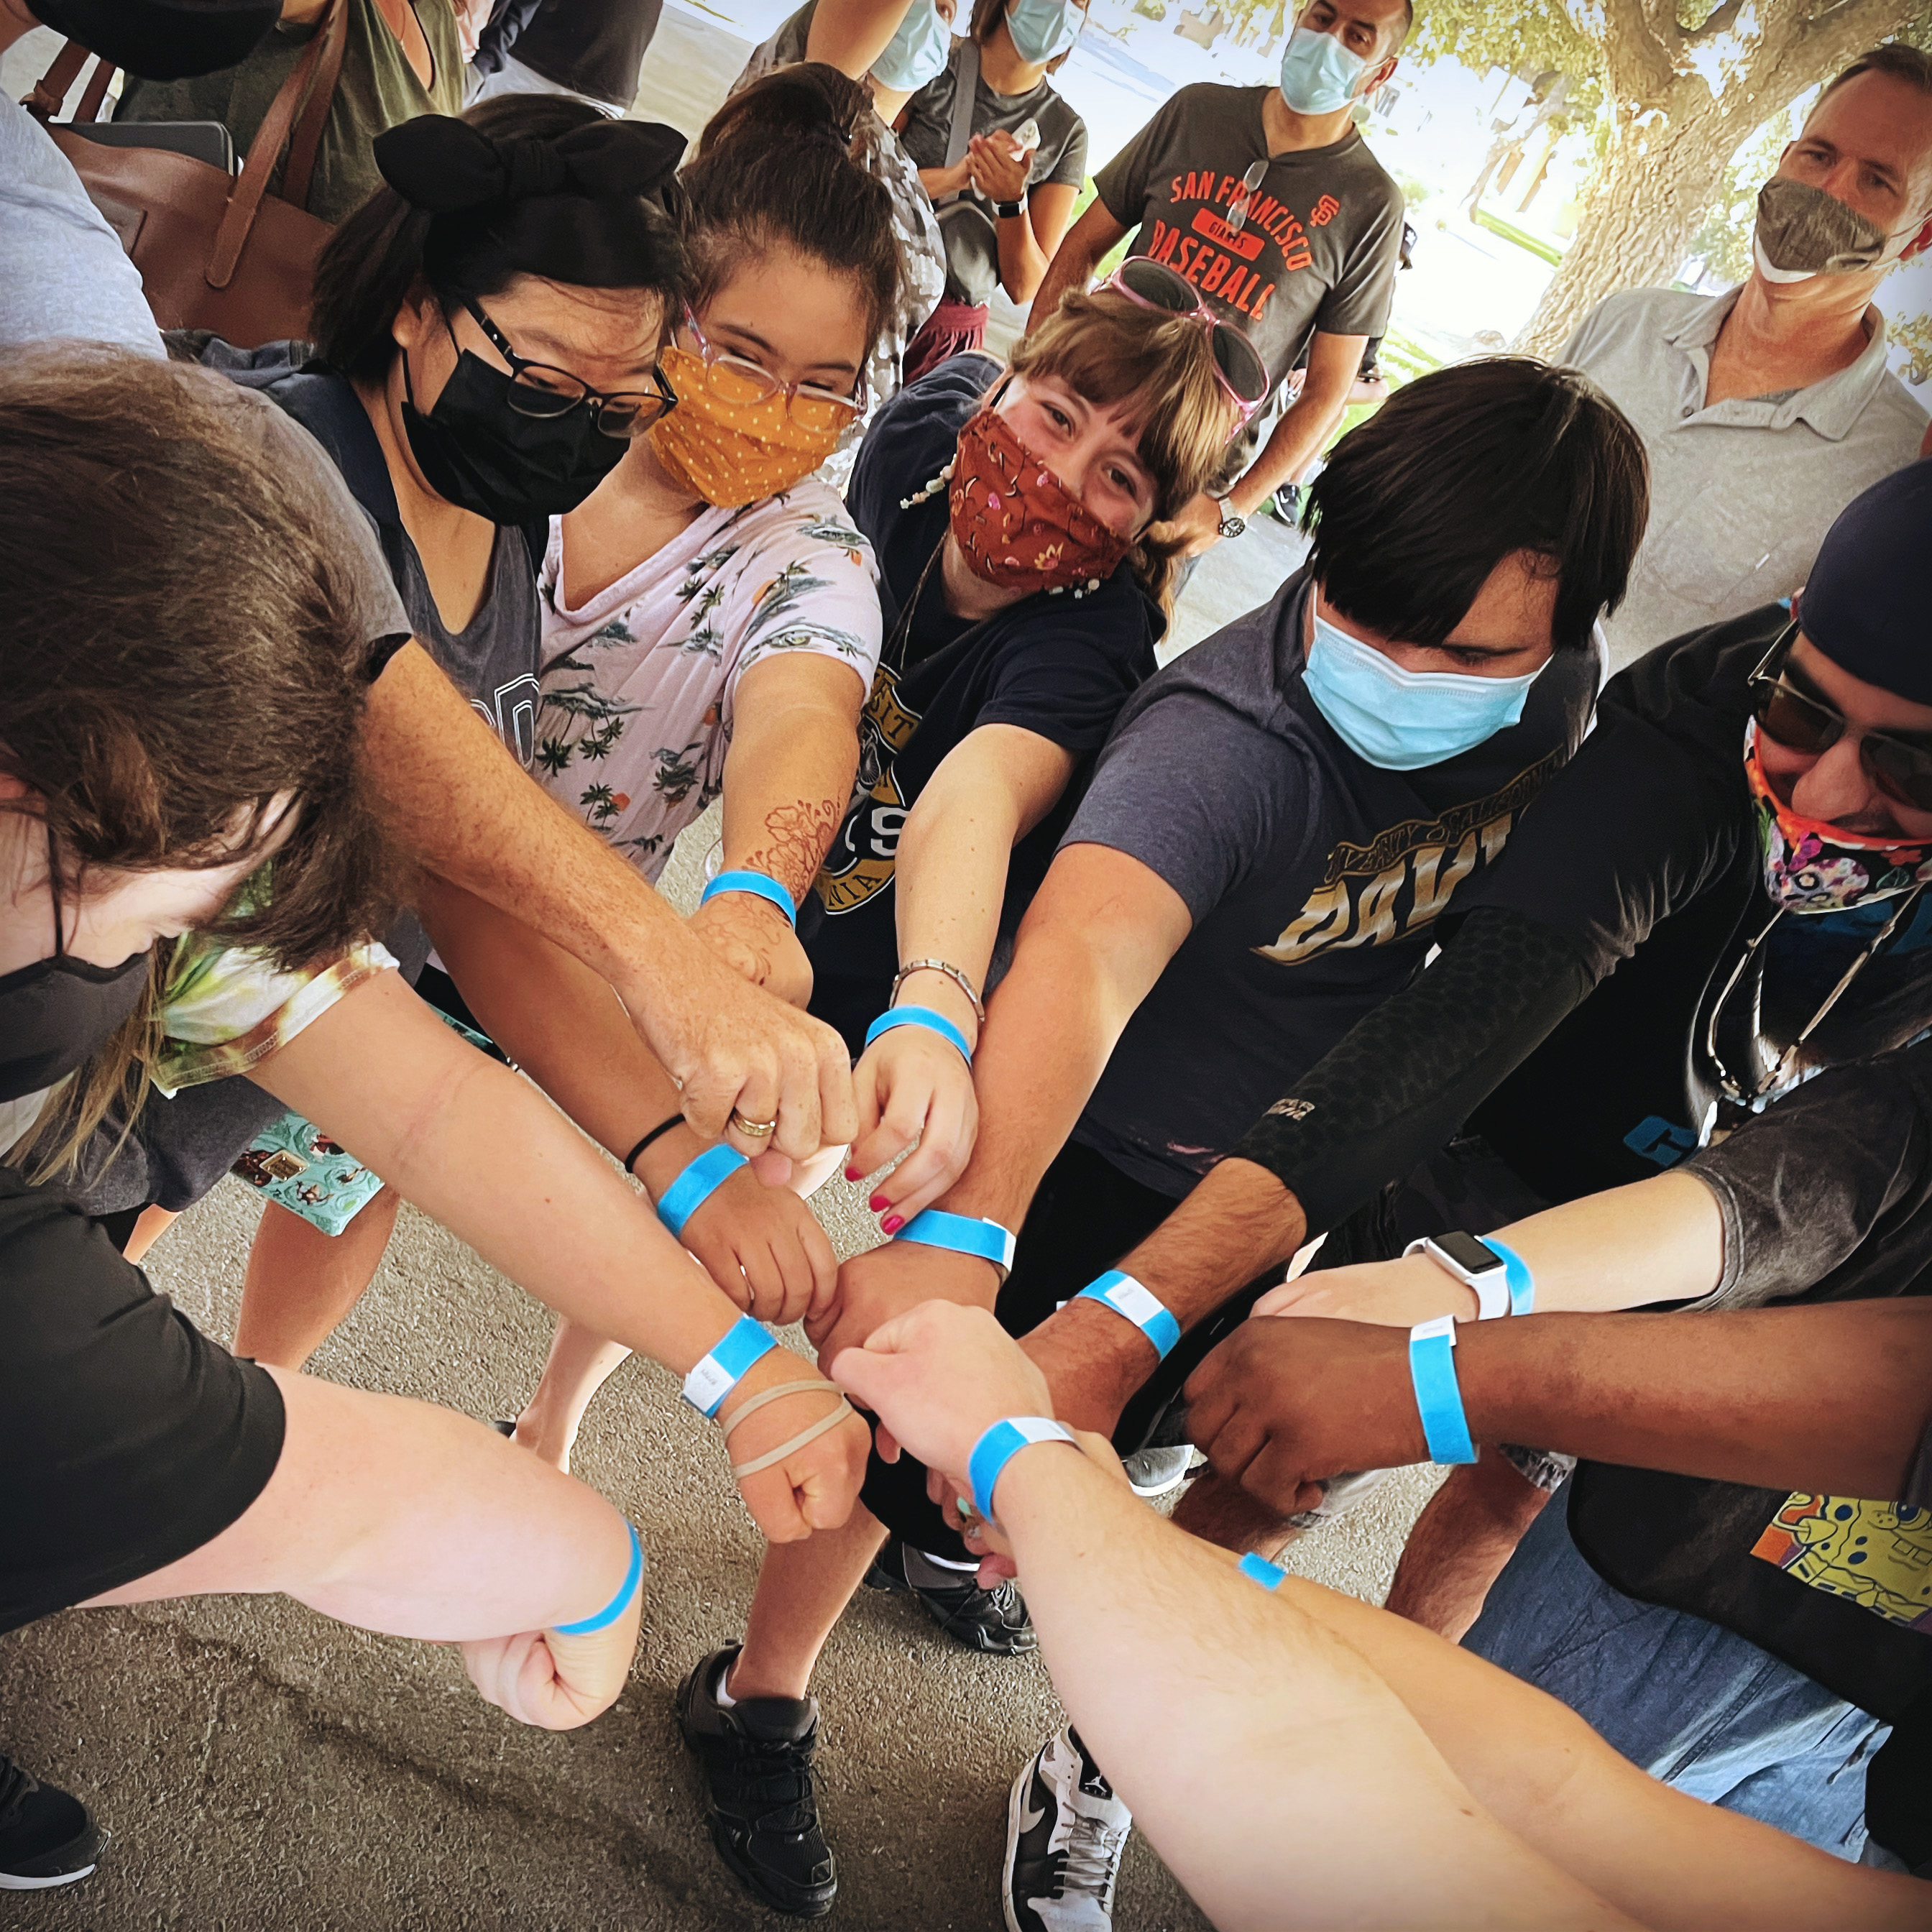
[1644,857]
[596,47]
[1058,665]
[973,248]
[1827,1196]
[128,1438]
[1314,878]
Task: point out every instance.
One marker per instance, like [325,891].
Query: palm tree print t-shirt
[639,682]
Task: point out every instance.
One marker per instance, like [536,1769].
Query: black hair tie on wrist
[662,1127]
[443,165]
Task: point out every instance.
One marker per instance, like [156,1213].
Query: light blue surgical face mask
[916,53]
[1318,75]
[1402,720]
[1041,30]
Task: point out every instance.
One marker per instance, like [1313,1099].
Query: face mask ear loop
[54,893]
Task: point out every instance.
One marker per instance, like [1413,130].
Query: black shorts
[127,1439]
[1086,1216]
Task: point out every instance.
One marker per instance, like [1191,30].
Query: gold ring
[756,1130]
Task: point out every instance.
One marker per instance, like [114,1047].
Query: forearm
[1023,263]
[1072,266]
[1660,1240]
[1190,1684]
[1733,1397]
[1407,1076]
[400,1516]
[464,812]
[482,1151]
[555,1019]
[1300,435]
[788,777]
[850,34]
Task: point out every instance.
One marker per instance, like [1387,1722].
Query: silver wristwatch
[1232,522]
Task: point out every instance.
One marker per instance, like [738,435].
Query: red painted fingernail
[852,1173]
[877,1202]
[892,1223]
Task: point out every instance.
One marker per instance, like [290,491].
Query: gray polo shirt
[1742,493]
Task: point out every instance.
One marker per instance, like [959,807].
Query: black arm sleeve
[1401,1082]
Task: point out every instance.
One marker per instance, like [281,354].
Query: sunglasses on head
[1792,712]
[1238,364]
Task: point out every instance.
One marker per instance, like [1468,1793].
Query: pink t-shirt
[639,682]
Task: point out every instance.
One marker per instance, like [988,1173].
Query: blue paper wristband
[758,885]
[1000,1445]
[1259,1569]
[618,1604]
[1516,1276]
[920,1016]
[1438,1397]
[713,1376]
[961,1234]
[1140,1305]
[697,1184]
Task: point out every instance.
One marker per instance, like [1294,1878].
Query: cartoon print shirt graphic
[1313,245]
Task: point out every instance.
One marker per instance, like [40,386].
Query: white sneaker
[1066,1833]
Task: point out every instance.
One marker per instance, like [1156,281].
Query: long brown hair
[1110,349]
[181,646]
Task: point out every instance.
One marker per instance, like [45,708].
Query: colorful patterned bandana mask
[732,453]
[1812,866]
[1018,526]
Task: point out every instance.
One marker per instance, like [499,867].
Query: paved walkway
[263,1768]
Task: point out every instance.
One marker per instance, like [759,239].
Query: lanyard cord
[1781,1071]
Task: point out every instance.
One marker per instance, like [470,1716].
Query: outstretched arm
[462,810]
[478,1148]
[1425,1785]
[1081,251]
[402,1517]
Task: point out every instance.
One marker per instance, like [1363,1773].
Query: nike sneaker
[1066,1835]
[994,1621]
[47,1837]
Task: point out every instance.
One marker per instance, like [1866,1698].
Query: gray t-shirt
[1314,879]
[1320,239]
[63,272]
[1742,492]
[972,244]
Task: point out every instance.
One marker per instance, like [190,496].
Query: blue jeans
[1693,1704]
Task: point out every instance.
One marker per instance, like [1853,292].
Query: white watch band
[1491,1286]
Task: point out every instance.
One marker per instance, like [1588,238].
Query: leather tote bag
[214,252]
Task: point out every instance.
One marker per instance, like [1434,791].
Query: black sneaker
[1066,1835]
[1287,502]
[994,1621]
[763,1810]
[47,1837]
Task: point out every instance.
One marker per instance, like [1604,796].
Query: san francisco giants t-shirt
[1319,238]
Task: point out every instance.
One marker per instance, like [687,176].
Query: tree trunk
[1644,202]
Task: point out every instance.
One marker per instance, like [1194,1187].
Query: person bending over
[1426,1786]
[190,862]
[1696,1591]
[1009,512]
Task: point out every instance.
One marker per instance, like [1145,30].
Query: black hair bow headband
[442,165]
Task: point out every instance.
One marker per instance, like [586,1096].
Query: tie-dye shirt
[640,681]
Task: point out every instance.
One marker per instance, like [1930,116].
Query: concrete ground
[261,1768]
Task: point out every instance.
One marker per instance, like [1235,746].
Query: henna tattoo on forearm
[799,836]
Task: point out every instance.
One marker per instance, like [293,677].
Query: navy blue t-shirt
[1314,879]
[1058,665]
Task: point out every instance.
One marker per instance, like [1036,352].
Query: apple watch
[1499,1276]
[1007,210]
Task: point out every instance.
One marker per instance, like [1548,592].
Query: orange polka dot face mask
[731,453]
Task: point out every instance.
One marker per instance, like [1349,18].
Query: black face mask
[164,40]
[478,451]
[55,1014]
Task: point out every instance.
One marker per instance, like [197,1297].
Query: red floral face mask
[1017,524]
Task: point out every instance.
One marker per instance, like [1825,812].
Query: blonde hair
[1107,348]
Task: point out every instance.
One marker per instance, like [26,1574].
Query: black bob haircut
[388,251]
[1463,467]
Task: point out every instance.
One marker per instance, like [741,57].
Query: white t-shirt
[63,272]
[639,682]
